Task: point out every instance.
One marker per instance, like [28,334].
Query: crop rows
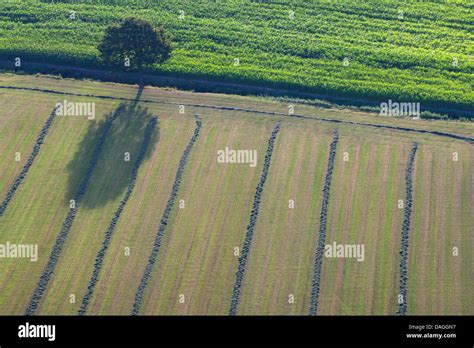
[66,227]
[409,58]
[36,149]
[470,140]
[239,276]
[402,302]
[108,234]
[165,218]
[318,260]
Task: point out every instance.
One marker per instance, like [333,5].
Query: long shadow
[112,174]
[141,87]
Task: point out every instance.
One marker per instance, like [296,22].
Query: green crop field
[377,50]
[200,252]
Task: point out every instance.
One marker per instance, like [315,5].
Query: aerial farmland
[252,171]
[199,252]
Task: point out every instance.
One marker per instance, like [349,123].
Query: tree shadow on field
[112,172]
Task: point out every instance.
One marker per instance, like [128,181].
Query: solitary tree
[135,44]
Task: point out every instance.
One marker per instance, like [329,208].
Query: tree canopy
[134,44]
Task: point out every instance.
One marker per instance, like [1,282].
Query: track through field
[364,124]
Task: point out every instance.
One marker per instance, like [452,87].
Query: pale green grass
[201,237]
[20,124]
[36,214]
[197,258]
[282,252]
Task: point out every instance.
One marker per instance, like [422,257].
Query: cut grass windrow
[67,224]
[470,140]
[402,300]
[165,219]
[36,149]
[239,276]
[108,234]
[318,259]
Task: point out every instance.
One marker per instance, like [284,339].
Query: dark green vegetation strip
[68,222]
[165,219]
[405,51]
[318,259]
[108,234]
[239,276]
[365,124]
[36,149]
[402,302]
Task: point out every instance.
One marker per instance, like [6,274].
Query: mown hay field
[196,265]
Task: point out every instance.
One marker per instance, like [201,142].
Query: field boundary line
[404,246]
[470,140]
[68,222]
[318,258]
[208,85]
[165,218]
[109,232]
[239,275]
[34,153]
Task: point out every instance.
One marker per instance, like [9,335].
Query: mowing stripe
[21,176]
[164,219]
[318,259]
[239,276]
[108,234]
[67,224]
[470,140]
[402,303]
